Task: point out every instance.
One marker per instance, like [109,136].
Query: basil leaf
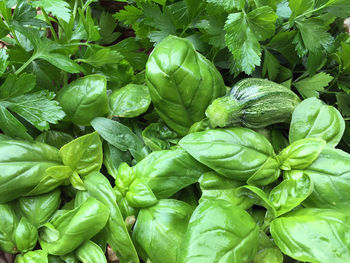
[219,231]
[236,153]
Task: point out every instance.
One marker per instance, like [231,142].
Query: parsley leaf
[38,108]
[314,34]
[311,86]
[3,61]
[228,5]
[243,33]
[343,103]
[212,29]
[129,15]
[271,65]
[243,44]
[58,8]
[160,21]
[102,57]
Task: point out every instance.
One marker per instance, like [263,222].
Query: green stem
[33,57]
[75,8]
[311,11]
[185,29]
[53,33]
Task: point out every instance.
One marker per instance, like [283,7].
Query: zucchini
[253,103]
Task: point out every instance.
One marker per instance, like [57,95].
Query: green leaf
[87,24]
[339,8]
[3,61]
[344,55]
[15,86]
[120,136]
[38,256]
[194,7]
[215,186]
[117,234]
[290,193]
[243,33]
[172,215]
[299,7]
[25,14]
[61,61]
[160,21]
[282,42]
[130,49]
[313,235]
[129,101]
[314,34]
[129,15]
[157,136]
[330,175]
[242,43]
[343,102]
[316,61]
[212,30]
[262,22]
[300,154]
[58,8]
[84,154]
[11,126]
[54,138]
[224,149]
[219,232]
[38,108]
[314,119]
[271,65]
[228,5]
[311,86]
[47,49]
[102,57]
[107,26]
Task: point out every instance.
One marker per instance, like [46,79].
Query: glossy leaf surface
[236,153]
[219,232]
[314,119]
[182,83]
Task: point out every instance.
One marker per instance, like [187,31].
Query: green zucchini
[253,103]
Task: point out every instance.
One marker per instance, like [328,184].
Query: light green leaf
[83,154]
[290,193]
[219,232]
[313,235]
[300,154]
[129,101]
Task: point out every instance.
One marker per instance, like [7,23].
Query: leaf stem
[311,11]
[33,57]
[53,33]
